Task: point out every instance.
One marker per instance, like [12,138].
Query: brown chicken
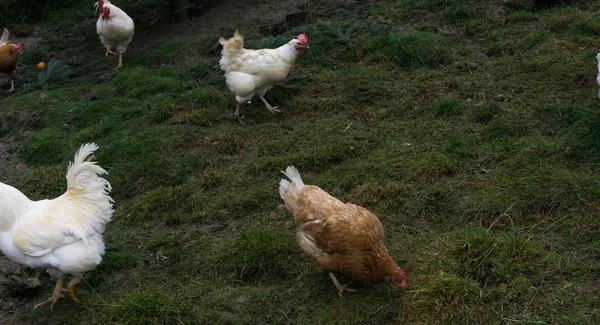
[341,237]
[8,58]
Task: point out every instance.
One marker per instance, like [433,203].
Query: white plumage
[115,29]
[63,235]
[254,72]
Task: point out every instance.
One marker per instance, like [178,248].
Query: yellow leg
[120,61]
[340,287]
[57,294]
[108,51]
[236,114]
[268,106]
[71,287]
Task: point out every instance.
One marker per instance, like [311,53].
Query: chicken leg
[340,287]
[236,114]
[108,51]
[71,287]
[12,86]
[120,62]
[57,294]
[268,106]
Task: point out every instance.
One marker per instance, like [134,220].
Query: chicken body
[8,58]
[254,72]
[63,235]
[115,29]
[340,237]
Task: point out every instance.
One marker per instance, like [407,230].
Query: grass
[469,127]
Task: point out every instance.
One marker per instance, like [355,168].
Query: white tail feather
[289,191]
[84,174]
[292,173]
[5,36]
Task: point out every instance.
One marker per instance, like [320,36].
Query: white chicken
[115,29]
[63,235]
[254,72]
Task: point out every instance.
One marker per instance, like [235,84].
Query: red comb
[303,38]
[403,276]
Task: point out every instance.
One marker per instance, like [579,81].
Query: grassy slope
[477,147]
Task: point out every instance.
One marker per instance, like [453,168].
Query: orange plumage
[341,237]
[8,58]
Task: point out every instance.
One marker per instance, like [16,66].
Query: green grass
[469,127]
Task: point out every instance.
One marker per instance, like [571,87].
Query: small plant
[459,10]
[259,253]
[416,50]
[146,306]
[447,298]
[537,38]
[494,259]
[56,73]
[448,107]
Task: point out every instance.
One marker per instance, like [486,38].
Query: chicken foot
[71,287]
[268,106]
[340,287]
[56,295]
[12,86]
[236,114]
[120,62]
[108,51]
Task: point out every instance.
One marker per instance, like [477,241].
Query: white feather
[116,32]
[254,72]
[64,234]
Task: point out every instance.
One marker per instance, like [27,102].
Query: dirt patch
[223,19]
[11,166]
[17,287]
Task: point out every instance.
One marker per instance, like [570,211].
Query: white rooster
[115,29]
[254,72]
[63,235]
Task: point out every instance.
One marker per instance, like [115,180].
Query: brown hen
[341,237]
[8,58]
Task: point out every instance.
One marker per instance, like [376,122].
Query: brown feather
[349,238]
[8,60]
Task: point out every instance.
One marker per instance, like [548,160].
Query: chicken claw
[268,106]
[108,51]
[238,117]
[120,62]
[71,287]
[56,295]
[273,109]
[340,287]
[236,114]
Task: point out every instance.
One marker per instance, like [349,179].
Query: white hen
[63,235]
[254,72]
[115,29]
